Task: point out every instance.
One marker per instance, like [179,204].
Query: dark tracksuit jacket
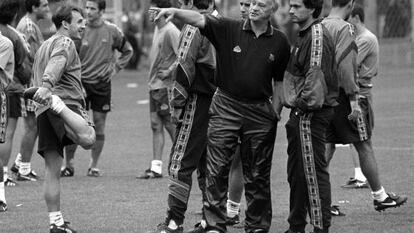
[310,90]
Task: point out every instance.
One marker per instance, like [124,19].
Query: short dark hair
[64,13]
[8,10]
[101,4]
[200,4]
[340,3]
[29,4]
[314,4]
[358,10]
[161,3]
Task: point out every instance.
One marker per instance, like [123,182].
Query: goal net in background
[392,22]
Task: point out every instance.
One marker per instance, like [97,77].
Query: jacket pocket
[291,85]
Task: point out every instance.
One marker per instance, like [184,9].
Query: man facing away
[99,66]
[6,76]
[192,91]
[36,10]
[367,62]
[310,90]
[351,123]
[61,117]
[162,56]
[251,58]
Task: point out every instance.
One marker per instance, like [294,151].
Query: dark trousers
[255,125]
[308,176]
[188,154]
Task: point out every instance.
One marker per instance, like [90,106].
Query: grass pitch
[118,202]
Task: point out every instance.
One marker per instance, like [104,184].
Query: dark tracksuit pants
[188,154]
[310,189]
[255,125]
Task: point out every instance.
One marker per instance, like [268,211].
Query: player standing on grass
[162,56]
[353,116]
[367,61]
[61,118]
[310,90]
[6,77]
[192,91]
[16,105]
[99,66]
[36,10]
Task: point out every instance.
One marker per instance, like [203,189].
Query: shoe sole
[354,186]
[149,177]
[387,207]
[19,178]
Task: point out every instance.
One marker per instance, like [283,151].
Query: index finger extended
[164,12]
[154,11]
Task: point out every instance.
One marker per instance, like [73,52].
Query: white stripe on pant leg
[362,128]
[310,171]
[23,107]
[183,136]
[3,116]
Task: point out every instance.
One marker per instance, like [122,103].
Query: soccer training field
[118,202]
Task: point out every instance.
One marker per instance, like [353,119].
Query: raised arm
[185,16]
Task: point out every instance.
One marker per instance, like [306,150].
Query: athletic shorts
[52,132]
[16,106]
[98,96]
[159,102]
[344,131]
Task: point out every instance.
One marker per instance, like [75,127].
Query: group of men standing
[257,72]
[222,81]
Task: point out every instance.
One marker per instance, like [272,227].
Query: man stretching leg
[60,115]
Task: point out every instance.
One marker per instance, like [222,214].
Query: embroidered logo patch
[294,51]
[271,57]
[105,107]
[164,107]
[237,49]
[351,29]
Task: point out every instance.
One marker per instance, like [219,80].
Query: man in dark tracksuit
[310,90]
[248,63]
[191,96]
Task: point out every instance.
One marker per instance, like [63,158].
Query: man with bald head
[251,60]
